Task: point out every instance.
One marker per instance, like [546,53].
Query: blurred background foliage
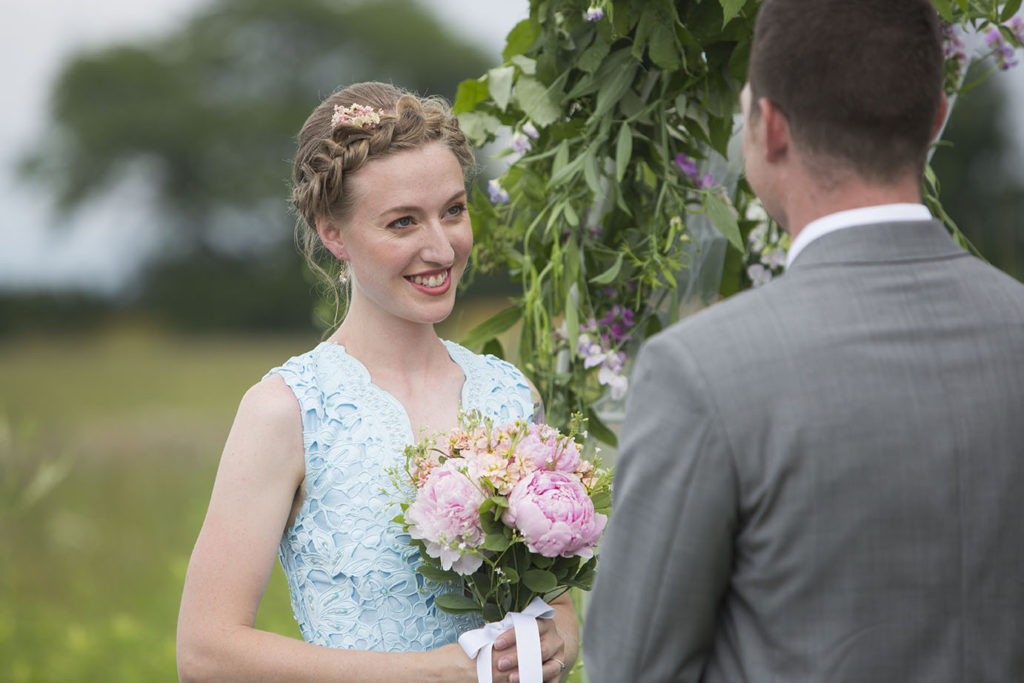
[113,410]
[207,118]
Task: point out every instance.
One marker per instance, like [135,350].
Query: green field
[108,449]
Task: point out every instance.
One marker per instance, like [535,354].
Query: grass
[108,449]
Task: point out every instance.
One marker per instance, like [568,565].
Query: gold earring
[343,273]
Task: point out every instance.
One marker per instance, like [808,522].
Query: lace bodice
[350,569]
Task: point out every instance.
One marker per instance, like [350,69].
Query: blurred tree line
[208,116]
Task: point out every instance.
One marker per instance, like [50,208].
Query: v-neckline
[411,437]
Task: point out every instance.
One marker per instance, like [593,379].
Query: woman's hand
[505,661]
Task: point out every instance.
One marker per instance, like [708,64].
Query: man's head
[858,82]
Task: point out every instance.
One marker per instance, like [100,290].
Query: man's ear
[940,117]
[330,235]
[776,130]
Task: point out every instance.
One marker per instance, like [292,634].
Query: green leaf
[540,581]
[491,524]
[496,542]
[520,39]
[723,219]
[492,612]
[664,47]
[1011,8]
[566,172]
[470,94]
[499,84]
[510,573]
[602,501]
[591,171]
[945,8]
[623,151]
[730,8]
[599,429]
[572,315]
[537,102]
[591,58]
[584,578]
[456,603]
[493,348]
[612,90]
[478,126]
[526,65]
[561,158]
[609,275]
[492,327]
[437,574]
[571,217]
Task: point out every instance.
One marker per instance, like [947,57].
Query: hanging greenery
[622,205]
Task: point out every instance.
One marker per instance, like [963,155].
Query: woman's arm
[260,472]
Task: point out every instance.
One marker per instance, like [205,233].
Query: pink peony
[555,515]
[445,516]
[545,449]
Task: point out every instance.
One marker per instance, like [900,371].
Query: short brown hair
[860,81]
[329,155]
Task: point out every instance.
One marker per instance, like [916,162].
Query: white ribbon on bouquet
[478,643]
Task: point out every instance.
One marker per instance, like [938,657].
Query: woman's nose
[437,247]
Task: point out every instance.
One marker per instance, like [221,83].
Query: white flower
[531,130]
[520,143]
[759,275]
[616,383]
[774,257]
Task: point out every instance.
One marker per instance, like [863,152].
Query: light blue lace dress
[350,569]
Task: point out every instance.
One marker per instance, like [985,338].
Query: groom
[821,480]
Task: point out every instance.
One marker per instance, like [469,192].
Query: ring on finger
[560,663]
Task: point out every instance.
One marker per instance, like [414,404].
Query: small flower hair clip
[356,115]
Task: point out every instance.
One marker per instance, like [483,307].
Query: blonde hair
[329,155]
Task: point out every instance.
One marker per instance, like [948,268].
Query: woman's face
[408,235]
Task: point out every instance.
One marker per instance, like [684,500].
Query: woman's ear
[330,235]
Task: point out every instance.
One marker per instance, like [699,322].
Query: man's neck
[849,193]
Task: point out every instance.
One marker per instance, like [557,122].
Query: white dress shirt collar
[886,213]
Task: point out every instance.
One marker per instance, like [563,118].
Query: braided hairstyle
[327,156]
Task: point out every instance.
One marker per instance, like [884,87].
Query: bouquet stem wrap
[478,643]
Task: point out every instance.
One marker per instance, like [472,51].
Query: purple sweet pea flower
[1004,53]
[1016,25]
[952,46]
[595,13]
[497,193]
[687,166]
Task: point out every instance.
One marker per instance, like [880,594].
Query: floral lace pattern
[351,571]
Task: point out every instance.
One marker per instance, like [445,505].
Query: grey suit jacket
[822,480]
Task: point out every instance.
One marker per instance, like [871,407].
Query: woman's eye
[456,209]
[403,222]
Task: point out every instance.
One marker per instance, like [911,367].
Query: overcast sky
[103,243]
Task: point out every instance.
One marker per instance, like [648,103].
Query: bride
[380,183]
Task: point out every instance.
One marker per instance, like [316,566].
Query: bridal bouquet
[510,512]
